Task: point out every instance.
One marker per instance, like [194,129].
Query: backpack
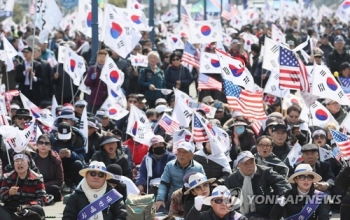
[140,207]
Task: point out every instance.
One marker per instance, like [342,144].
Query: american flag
[304,77]
[198,131]
[168,124]
[245,101]
[228,15]
[191,55]
[344,130]
[342,142]
[256,126]
[207,82]
[346,91]
[345,81]
[184,15]
[289,70]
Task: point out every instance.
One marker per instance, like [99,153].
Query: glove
[198,202]
[93,76]
[281,201]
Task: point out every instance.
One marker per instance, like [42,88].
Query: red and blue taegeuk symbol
[72,65]
[112,111]
[236,71]
[89,19]
[136,19]
[205,30]
[215,63]
[116,30]
[134,128]
[321,115]
[331,84]
[114,76]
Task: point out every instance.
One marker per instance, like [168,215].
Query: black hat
[344,66]
[279,127]
[309,147]
[141,98]
[116,171]
[23,112]
[45,104]
[27,49]
[64,131]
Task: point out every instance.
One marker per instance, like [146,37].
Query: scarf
[89,193]
[247,194]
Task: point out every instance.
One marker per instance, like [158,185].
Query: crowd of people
[95,172]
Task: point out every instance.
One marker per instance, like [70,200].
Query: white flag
[52,16]
[136,18]
[272,86]
[170,15]
[39,19]
[83,127]
[54,106]
[294,154]
[271,55]
[84,19]
[112,75]
[182,112]
[83,87]
[139,126]
[209,63]
[3,110]
[205,31]
[74,65]
[115,110]
[317,115]
[6,8]
[10,50]
[134,4]
[325,154]
[174,42]
[139,60]
[277,35]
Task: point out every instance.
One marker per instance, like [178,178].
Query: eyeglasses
[132,101]
[23,118]
[220,201]
[264,145]
[80,106]
[175,59]
[319,137]
[201,187]
[43,143]
[99,174]
[303,177]
[318,57]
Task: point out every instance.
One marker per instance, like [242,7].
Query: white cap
[14,106]
[244,156]
[188,146]
[162,108]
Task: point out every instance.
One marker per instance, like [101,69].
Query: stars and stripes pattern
[207,82]
[304,77]
[256,126]
[228,15]
[245,101]
[168,124]
[184,15]
[342,142]
[198,130]
[289,76]
[345,81]
[346,91]
[191,55]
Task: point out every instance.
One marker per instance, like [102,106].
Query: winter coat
[209,215]
[140,150]
[99,90]
[303,137]
[335,59]
[62,84]
[265,182]
[47,87]
[274,162]
[157,167]
[290,208]
[93,145]
[177,203]
[78,201]
[146,78]
[181,73]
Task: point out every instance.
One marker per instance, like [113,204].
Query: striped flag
[3,120]
[228,15]
[342,142]
[256,126]
[168,124]
[304,77]
[207,82]
[248,102]
[289,76]
[184,15]
[198,130]
[191,55]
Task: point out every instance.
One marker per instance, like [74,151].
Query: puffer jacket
[146,78]
[274,162]
[78,201]
[181,73]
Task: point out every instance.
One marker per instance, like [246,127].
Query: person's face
[279,137]
[160,144]
[220,209]
[346,72]
[319,140]
[269,130]
[135,51]
[184,157]
[333,107]
[37,54]
[219,114]
[110,147]
[264,147]
[247,167]
[27,55]
[167,58]
[131,101]
[101,59]
[15,43]
[318,60]
[202,190]
[148,44]
[69,121]
[44,145]
[21,165]
[310,157]
[105,121]
[152,60]
[176,61]
[303,182]
[91,130]
[293,117]
[329,135]
[95,181]
[234,46]
[79,109]
[141,105]
[324,41]
[339,45]
[21,120]
[339,31]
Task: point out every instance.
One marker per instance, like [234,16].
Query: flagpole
[34,28]
[94,30]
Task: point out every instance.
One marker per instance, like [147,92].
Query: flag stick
[7,82]
[62,83]
[71,88]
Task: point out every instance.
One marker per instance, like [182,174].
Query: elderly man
[95,199]
[256,180]
[339,55]
[336,110]
[174,172]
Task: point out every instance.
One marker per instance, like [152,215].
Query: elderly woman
[222,206]
[95,199]
[298,130]
[176,75]
[264,156]
[112,153]
[50,166]
[199,186]
[300,202]
[152,78]
[330,125]
[22,188]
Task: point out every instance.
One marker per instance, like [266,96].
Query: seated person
[153,164]
[50,166]
[22,188]
[94,187]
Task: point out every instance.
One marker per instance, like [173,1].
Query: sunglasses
[175,59]
[319,137]
[23,118]
[201,187]
[80,106]
[43,143]
[99,174]
[318,57]
[303,177]
[220,201]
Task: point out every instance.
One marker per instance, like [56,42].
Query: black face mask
[159,150]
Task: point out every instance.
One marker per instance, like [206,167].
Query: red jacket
[140,150]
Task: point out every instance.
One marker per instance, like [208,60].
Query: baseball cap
[160,101]
[319,131]
[64,131]
[208,99]
[279,127]
[244,156]
[92,122]
[68,114]
[27,49]
[80,103]
[102,113]
[141,98]
[14,106]
[338,39]
[291,43]
[188,146]
[162,108]
[157,139]
[219,106]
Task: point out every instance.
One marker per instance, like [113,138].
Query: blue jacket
[173,74]
[148,77]
[172,177]
[157,167]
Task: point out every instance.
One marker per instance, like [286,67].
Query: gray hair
[153,53]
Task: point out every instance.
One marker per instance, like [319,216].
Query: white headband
[21,156]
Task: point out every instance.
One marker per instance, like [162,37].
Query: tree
[118,3]
[17,13]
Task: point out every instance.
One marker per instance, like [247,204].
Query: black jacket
[122,64]
[274,162]
[290,209]
[62,84]
[47,86]
[342,181]
[77,201]
[265,182]
[93,145]
[209,215]
[335,59]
